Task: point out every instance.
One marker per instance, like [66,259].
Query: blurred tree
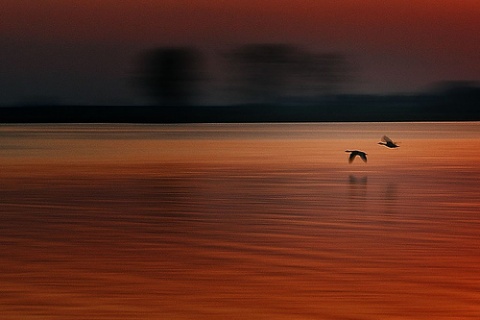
[263,70]
[325,73]
[171,75]
[278,73]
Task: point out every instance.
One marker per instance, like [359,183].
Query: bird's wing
[352,156]
[363,156]
[386,139]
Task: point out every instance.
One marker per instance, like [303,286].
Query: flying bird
[387,142]
[354,153]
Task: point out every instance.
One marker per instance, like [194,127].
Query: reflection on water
[278,226]
[358,187]
[391,191]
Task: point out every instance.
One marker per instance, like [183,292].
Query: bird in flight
[387,142]
[354,153]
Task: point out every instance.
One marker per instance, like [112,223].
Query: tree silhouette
[331,72]
[263,70]
[274,73]
[171,75]
[323,74]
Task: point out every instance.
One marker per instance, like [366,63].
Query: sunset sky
[84,51]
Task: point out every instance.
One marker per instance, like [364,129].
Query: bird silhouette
[354,153]
[387,142]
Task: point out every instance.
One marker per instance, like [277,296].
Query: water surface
[239,221]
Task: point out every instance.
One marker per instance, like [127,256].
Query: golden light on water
[260,222]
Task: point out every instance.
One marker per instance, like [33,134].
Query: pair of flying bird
[386,141]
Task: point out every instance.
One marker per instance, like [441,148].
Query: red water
[239,222]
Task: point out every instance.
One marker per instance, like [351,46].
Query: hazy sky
[84,51]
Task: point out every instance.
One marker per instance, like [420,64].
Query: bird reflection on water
[358,180]
[390,197]
[357,187]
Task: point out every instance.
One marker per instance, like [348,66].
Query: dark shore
[217,114]
[453,105]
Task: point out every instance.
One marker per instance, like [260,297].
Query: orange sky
[423,40]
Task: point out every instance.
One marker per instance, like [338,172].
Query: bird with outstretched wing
[387,142]
[354,153]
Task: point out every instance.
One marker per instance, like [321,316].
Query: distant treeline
[253,73]
[266,83]
[456,102]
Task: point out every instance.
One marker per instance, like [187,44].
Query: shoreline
[234,114]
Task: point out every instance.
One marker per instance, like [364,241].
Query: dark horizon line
[251,113]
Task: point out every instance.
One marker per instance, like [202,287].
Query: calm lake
[240,221]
